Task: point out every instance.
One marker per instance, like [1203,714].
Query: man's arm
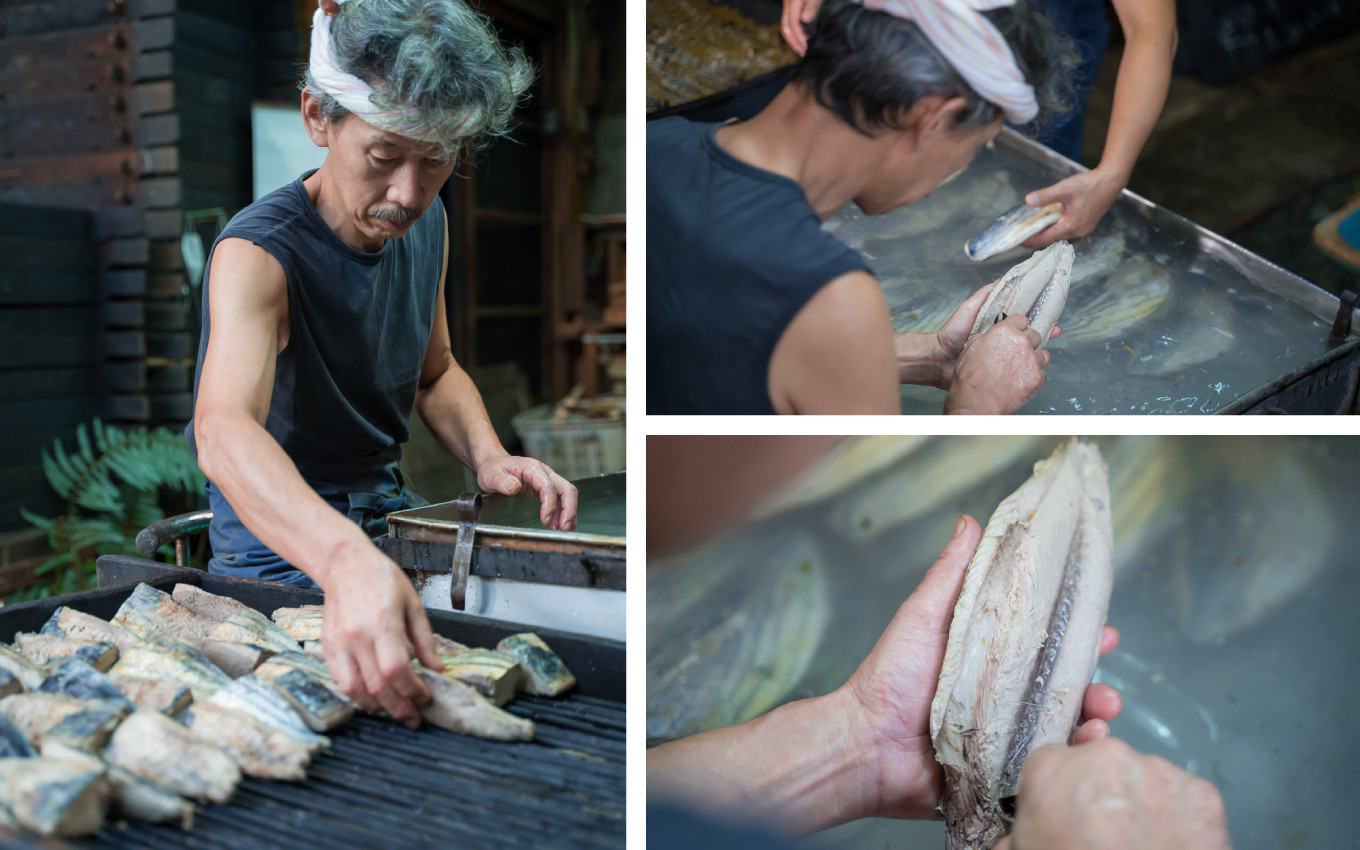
[371,608]
[836,356]
[452,407]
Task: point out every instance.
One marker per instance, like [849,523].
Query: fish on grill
[13,742]
[77,625]
[158,657]
[29,674]
[1036,288]
[80,724]
[492,673]
[75,678]
[168,754]
[54,797]
[150,613]
[1010,229]
[256,698]
[544,673]
[9,683]
[301,624]
[129,794]
[1024,639]
[258,749]
[162,695]
[458,708]
[315,699]
[234,659]
[46,649]
[237,622]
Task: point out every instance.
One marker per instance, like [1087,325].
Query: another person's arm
[371,607]
[798,13]
[1106,794]
[449,403]
[1139,93]
[864,750]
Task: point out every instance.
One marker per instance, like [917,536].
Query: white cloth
[356,95]
[974,46]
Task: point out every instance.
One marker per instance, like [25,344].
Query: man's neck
[796,137]
[320,189]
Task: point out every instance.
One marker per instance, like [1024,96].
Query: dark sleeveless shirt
[733,253]
[345,384]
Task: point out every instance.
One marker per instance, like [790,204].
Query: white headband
[356,95]
[974,46]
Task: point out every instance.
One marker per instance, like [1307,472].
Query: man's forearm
[798,769]
[919,360]
[270,496]
[453,410]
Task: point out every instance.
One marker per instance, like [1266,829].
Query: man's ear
[942,113]
[318,129]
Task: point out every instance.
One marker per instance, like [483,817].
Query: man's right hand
[372,619]
[1106,794]
[999,370]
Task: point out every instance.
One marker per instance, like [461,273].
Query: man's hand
[507,474]
[999,370]
[891,692]
[372,619]
[796,14]
[1085,197]
[1107,795]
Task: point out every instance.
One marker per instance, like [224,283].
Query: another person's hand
[893,687]
[1085,197]
[329,7]
[999,370]
[558,496]
[1107,795]
[796,14]
[372,619]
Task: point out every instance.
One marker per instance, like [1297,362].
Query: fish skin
[1011,228]
[77,625]
[544,673]
[54,797]
[150,613]
[166,658]
[310,696]
[167,754]
[1036,287]
[81,724]
[458,708]
[13,742]
[261,701]
[161,695]
[1012,679]
[34,713]
[259,750]
[75,678]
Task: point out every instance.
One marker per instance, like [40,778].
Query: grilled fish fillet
[159,657]
[258,749]
[544,672]
[167,754]
[75,678]
[492,673]
[458,708]
[77,625]
[162,695]
[301,624]
[1024,640]
[237,622]
[49,649]
[53,797]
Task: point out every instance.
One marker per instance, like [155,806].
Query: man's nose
[404,189]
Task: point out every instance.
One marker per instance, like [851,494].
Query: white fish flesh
[1036,288]
[1024,639]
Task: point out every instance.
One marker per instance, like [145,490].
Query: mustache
[400,215]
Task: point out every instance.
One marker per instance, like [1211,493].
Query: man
[324,325]
[751,307]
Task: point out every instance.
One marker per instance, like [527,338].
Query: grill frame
[382,785]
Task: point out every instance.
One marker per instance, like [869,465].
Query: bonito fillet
[1025,638]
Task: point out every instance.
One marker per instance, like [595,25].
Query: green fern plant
[111,483]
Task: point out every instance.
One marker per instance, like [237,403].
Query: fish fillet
[167,754]
[1024,640]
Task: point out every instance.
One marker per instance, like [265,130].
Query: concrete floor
[1260,161]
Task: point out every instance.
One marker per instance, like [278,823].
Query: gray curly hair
[439,57]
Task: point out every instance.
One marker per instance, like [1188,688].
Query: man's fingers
[346,675]
[1101,702]
[422,638]
[1091,730]
[933,600]
[1055,333]
[1109,639]
[397,707]
[569,501]
[1043,357]
[395,667]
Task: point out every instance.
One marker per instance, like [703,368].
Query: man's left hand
[509,474]
[953,334]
